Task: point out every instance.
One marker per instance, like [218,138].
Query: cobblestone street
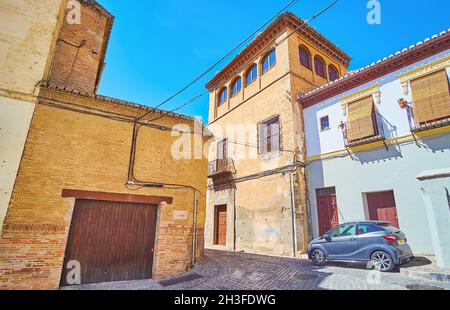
[239,271]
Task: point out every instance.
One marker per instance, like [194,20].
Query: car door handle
[353,239]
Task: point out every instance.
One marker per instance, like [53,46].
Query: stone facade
[266,215]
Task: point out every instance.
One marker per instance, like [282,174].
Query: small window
[324,123]
[319,65]
[236,87]
[269,136]
[305,57]
[333,73]
[269,61]
[223,96]
[251,75]
[346,230]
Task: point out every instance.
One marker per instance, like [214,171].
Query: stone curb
[433,276]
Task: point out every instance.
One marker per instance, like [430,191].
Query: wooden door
[327,209]
[112,241]
[221,225]
[382,207]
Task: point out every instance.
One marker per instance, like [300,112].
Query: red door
[382,207]
[327,209]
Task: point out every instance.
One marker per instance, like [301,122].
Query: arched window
[319,65]
[236,87]
[251,75]
[333,73]
[305,57]
[223,95]
[269,61]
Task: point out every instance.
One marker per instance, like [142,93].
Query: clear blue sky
[158,46]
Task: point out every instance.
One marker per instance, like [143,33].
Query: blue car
[378,243]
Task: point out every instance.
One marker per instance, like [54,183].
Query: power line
[268,49]
[291,3]
[299,27]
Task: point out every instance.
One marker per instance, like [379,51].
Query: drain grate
[305,276]
[182,279]
[424,288]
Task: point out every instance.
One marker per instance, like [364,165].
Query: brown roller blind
[360,119]
[431,97]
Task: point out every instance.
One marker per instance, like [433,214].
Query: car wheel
[382,261]
[318,257]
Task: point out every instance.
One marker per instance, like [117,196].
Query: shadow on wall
[380,155]
[448,198]
[435,144]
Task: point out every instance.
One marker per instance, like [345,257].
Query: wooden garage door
[382,207]
[113,241]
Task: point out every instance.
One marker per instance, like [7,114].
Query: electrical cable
[270,48]
[195,80]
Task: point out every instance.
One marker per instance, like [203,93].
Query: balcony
[377,136]
[221,167]
[417,126]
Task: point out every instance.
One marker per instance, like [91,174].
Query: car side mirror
[327,237]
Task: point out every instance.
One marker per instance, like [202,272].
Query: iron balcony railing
[378,133]
[417,126]
[221,166]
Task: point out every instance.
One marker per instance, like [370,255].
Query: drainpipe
[194,233]
[294,231]
[234,220]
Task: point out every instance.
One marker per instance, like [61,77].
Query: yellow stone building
[257,197]
[100,193]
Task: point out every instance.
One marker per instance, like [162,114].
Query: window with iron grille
[328,191]
[269,136]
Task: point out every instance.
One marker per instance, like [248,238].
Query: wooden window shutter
[262,138]
[222,149]
[275,135]
[360,119]
[431,97]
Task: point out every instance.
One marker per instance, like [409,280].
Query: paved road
[239,271]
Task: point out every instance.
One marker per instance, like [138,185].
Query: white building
[371,159]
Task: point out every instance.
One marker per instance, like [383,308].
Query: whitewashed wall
[378,169]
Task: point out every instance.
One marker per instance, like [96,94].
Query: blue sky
[158,46]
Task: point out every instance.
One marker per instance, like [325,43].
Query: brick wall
[76,65]
[67,149]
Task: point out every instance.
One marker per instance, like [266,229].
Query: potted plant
[402,103]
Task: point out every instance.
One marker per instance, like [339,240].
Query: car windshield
[389,228]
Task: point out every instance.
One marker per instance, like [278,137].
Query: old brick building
[257,190]
[97,182]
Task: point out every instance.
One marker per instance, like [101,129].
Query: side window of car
[348,230]
[366,229]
